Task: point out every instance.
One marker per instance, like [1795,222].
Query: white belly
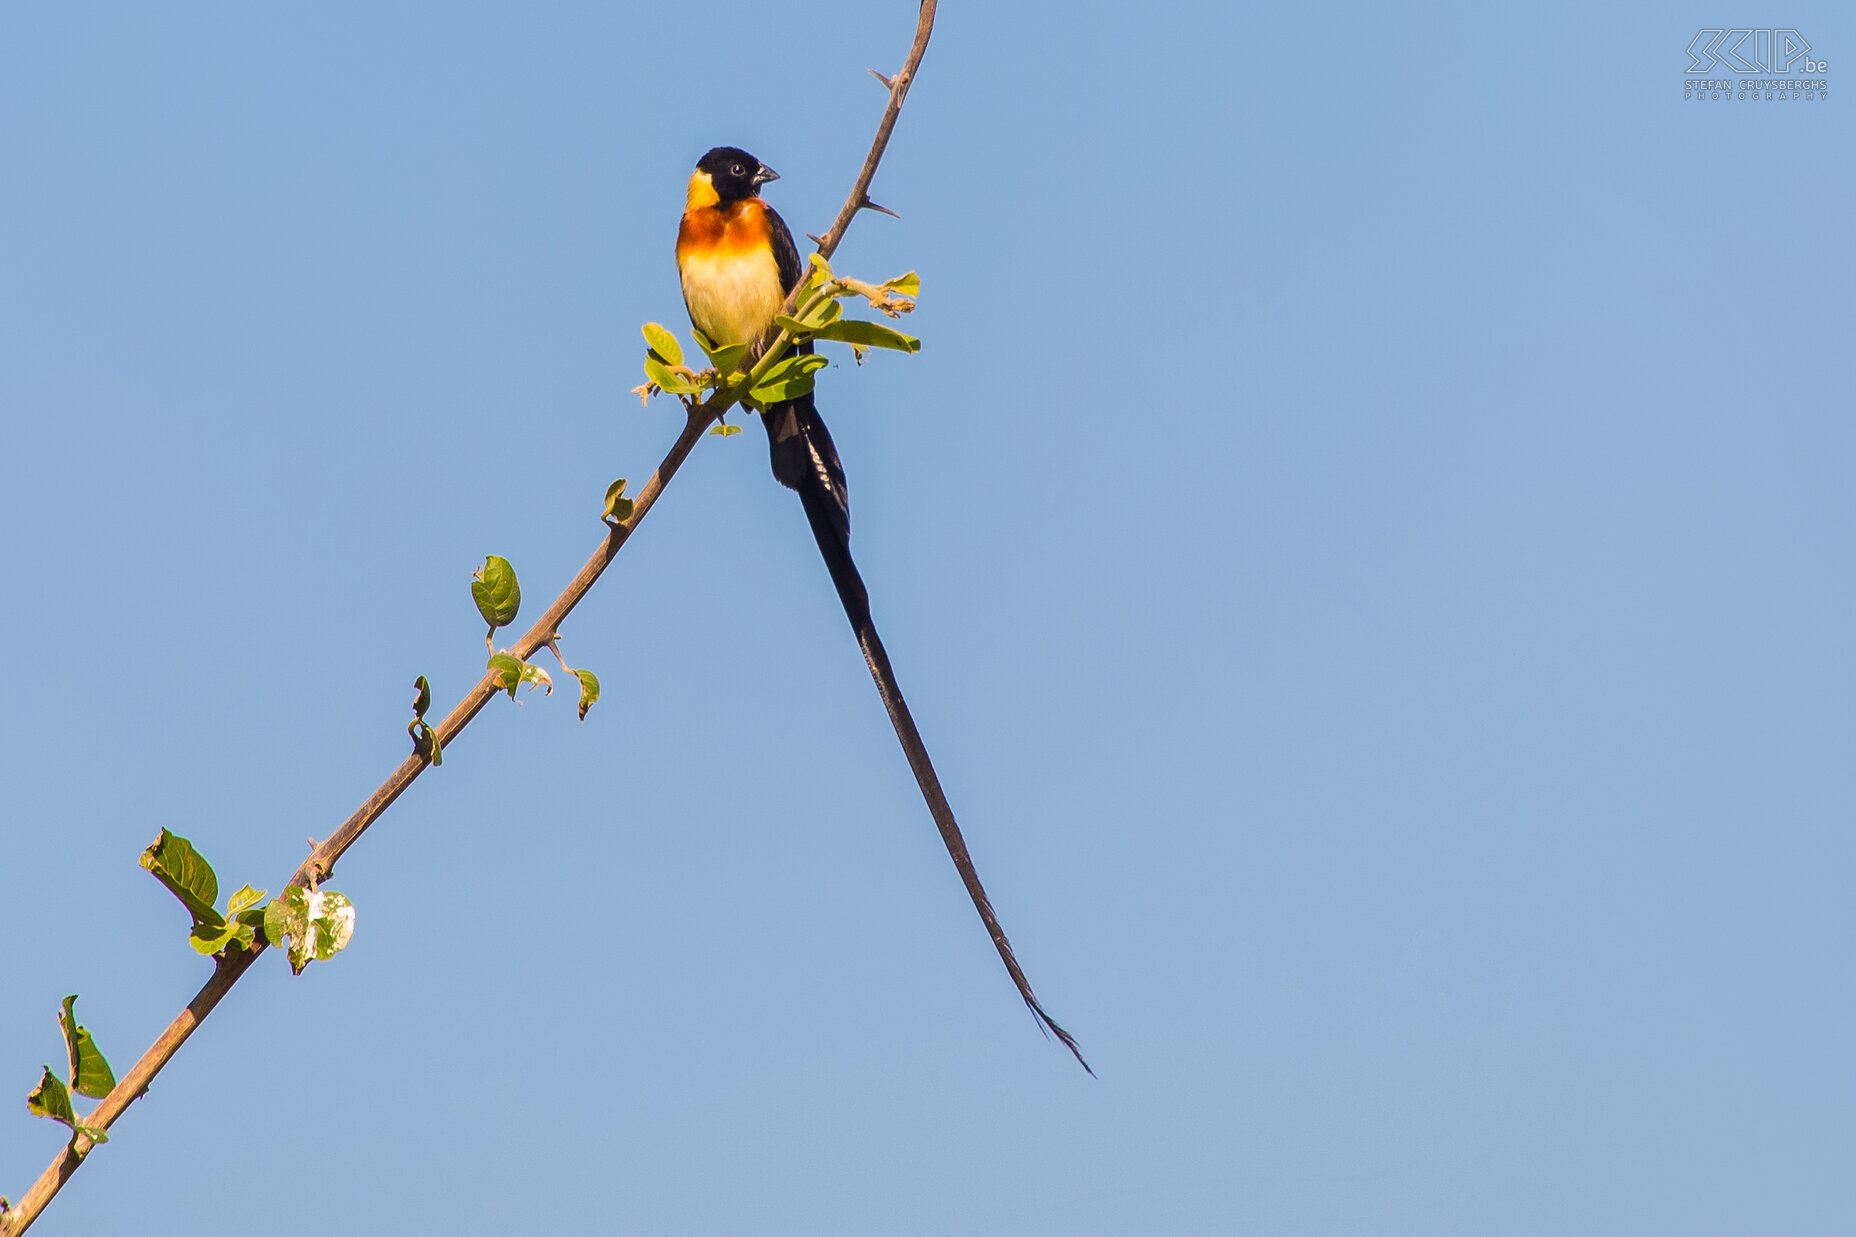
[732,298]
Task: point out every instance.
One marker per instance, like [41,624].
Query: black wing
[800,445]
[785,253]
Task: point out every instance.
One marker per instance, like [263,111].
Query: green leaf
[589,690]
[618,507]
[725,431]
[797,363]
[508,669]
[90,1073]
[909,285]
[818,274]
[425,742]
[318,925]
[703,341]
[676,384]
[494,589]
[512,672]
[50,1099]
[424,738]
[788,388]
[209,939]
[802,327]
[790,378]
[244,915]
[174,862]
[243,900]
[663,343]
[726,357]
[863,334]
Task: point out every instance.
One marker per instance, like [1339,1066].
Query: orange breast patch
[723,231]
[731,282]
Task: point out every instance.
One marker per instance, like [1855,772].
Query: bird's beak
[765,174]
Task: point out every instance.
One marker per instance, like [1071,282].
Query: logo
[1797,74]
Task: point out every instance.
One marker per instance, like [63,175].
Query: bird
[737,263]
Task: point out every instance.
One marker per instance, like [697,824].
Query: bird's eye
[737,170]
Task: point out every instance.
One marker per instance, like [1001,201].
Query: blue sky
[1366,538]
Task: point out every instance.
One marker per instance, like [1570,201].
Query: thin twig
[231,967]
[898,91]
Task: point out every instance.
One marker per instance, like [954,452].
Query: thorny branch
[230,967]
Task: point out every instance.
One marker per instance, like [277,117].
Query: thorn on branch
[882,210]
[890,82]
[816,239]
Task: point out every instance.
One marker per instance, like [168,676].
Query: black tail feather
[804,455]
[804,459]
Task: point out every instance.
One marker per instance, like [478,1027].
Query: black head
[734,173]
